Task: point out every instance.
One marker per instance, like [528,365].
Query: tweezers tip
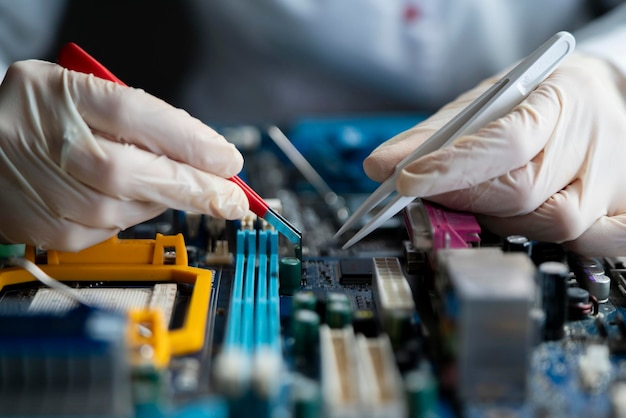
[349,244]
[291,232]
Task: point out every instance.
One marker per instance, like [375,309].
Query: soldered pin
[75,58]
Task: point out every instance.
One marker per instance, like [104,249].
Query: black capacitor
[579,305]
[553,280]
[517,243]
[577,295]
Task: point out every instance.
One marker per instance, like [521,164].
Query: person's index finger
[382,160]
[126,172]
[129,115]
[503,145]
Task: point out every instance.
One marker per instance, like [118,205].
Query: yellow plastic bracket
[147,328]
[133,260]
[126,251]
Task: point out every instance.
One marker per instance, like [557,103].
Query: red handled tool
[75,58]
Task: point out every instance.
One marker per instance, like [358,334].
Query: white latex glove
[553,169]
[82,158]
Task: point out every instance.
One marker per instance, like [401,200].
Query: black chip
[355,271]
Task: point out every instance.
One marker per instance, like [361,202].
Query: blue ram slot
[247,328]
[253,341]
[233,329]
[261,330]
[274,300]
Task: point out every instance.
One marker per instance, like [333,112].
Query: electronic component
[306,398]
[130,260]
[590,274]
[553,281]
[338,313]
[304,300]
[517,243]
[359,375]
[64,364]
[415,260]
[340,379]
[305,331]
[161,296]
[219,254]
[488,296]
[250,360]
[290,275]
[421,389]
[365,322]
[355,271]
[392,294]
[432,227]
[580,304]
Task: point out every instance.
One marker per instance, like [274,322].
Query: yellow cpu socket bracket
[133,260]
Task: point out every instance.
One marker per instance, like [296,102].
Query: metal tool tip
[351,242]
[283,226]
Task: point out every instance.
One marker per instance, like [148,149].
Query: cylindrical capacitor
[305,327]
[553,279]
[338,310]
[579,305]
[306,399]
[289,275]
[332,297]
[577,295]
[304,300]
[517,243]
[421,391]
[338,314]
[298,252]
[598,284]
[591,265]
[398,326]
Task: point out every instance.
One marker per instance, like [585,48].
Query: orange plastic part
[133,260]
[156,338]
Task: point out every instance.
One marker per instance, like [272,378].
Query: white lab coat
[277,60]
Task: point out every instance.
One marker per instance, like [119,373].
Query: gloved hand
[82,158]
[553,169]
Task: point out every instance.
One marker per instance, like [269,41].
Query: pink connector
[451,229]
[432,227]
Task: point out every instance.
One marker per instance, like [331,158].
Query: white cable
[44,278]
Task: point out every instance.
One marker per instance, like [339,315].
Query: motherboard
[429,316]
